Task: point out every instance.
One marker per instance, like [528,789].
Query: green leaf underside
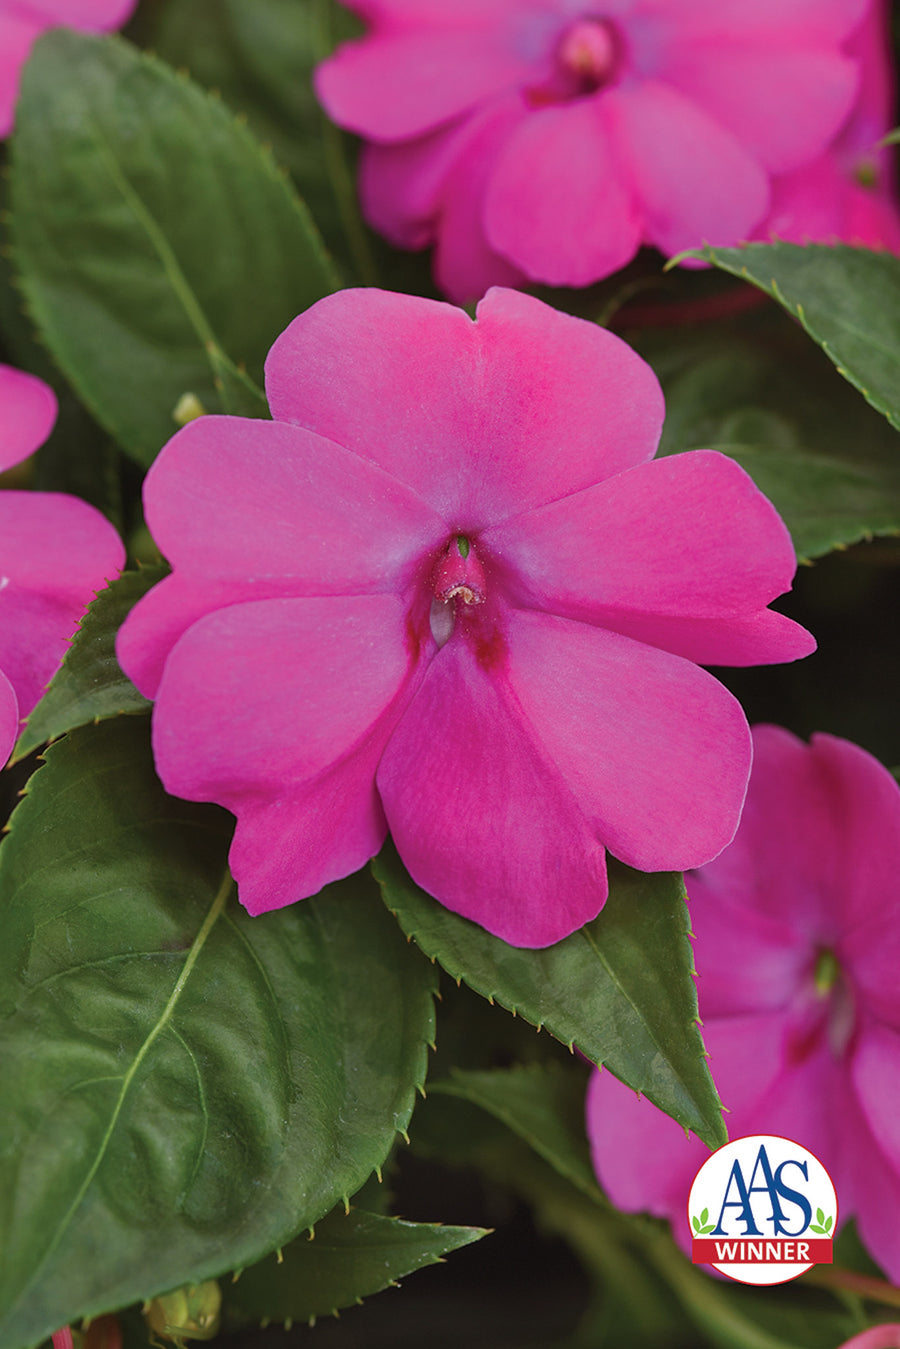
[161,251]
[350,1257]
[90,685]
[543,1104]
[847,299]
[767,397]
[185,1087]
[621,988]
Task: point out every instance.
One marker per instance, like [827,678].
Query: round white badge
[762,1209]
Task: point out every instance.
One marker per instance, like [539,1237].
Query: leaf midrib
[160,1025]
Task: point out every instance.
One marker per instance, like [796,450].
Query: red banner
[761,1251]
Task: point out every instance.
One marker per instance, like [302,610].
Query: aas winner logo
[762,1209]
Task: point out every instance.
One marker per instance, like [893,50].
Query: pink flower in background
[55,553]
[797,951]
[848,193]
[547,140]
[23,21]
[446,591]
[885,1336]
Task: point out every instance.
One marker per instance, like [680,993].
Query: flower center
[458,585]
[458,574]
[589,54]
[588,57]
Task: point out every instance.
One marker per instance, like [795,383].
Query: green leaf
[820,1215]
[813,1227]
[90,685]
[696,1224]
[828,1223]
[621,988]
[260,55]
[704,1216]
[847,299]
[161,250]
[541,1103]
[763,394]
[185,1087]
[351,1256]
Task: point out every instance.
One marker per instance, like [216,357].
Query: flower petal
[523,406]
[683,553]
[261,501]
[434,187]
[395,86]
[642,1157]
[28,408]
[95,15]
[17,34]
[9,718]
[783,105]
[248,510]
[656,751]
[558,204]
[482,820]
[876,1077]
[694,181]
[809,20]
[57,552]
[335,672]
[788,841]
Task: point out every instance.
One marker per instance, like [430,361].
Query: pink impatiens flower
[55,553]
[848,193]
[548,139]
[797,951]
[23,21]
[446,590]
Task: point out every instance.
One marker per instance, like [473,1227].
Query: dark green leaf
[185,1087]
[90,685]
[351,1256]
[543,1104]
[621,988]
[260,54]
[161,250]
[848,300]
[764,395]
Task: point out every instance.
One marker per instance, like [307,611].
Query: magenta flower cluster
[448,591]
[547,140]
[56,552]
[797,948]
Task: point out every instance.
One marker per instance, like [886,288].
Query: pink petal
[18,32]
[688,551]
[262,501]
[886,1336]
[876,1077]
[247,510]
[27,412]
[655,751]
[95,15]
[9,718]
[434,187]
[692,178]
[559,204]
[789,842]
[301,779]
[391,87]
[783,105]
[482,819]
[643,1158]
[57,552]
[747,962]
[801,20]
[524,375]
